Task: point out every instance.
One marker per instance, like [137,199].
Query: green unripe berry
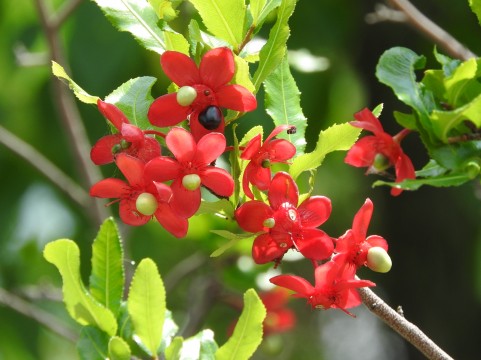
[380,162]
[186,95]
[191,182]
[378,260]
[124,144]
[146,204]
[266,163]
[116,149]
[269,223]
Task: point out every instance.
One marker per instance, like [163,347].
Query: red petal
[217,67]
[246,180]
[376,240]
[209,148]
[362,153]
[112,113]
[180,68]
[181,143]
[166,111]
[251,215]
[404,170]
[129,214]
[366,120]
[279,150]
[252,148]
[325,274]
[259,176]
[236,97]
[184,202]
[164,192]
[170,221]
[149,150]
[265,249]
[295,283]
[314,211]
[362,219]
[218,180]
[132,168]
[283,189]
[109,188]
[162,169]
[314,244]
[198,131]
[101,152]
[132,133]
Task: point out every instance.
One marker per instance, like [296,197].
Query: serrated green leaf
[221,207]
[261,8]
[407,121]
[133,98]
[460,81]
[169,330]
[138,18]
[146,305]
[118,349]
[233,240]
[275,49]
[242,74]
[283,104]
[476,8]
[200,346]
[107,276]
[93,344]
[396,69]
[378,110]
[200,41]
[80,93]
[176,42]
[80,304]
[223,18]
[174,349]
[335,138]
[248,331]
[165,9]
[445,180]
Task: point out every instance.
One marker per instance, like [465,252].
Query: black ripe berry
[210,118]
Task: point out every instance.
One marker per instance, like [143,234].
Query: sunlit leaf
[138,18]
[476,8]
[107,276]
[133,98]
[335,138]
[93,344]
[233,240]
[248,331]
[169,330]
[80,304]
[80,93]
[222,207]
[118,349]
[146,305]
[165,9]
[275,49]
[174,349]
[282,103]
[261,8]
[223,18]
[445,180]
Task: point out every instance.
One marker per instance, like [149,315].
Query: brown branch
[41,316]
[57,20]
[427,27]
[69,114]
[403,327]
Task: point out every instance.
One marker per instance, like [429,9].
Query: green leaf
[133,98]
[200,41]
[445,180]
[174,349]
[138,18]
[282,103]
[335,138]
[146,305]
[476,8]
[169,330]
[396,68]
[93,344]
[234,239]
[461,80]
[261,8]
[165,9]
[274,50]
[80,304]
[407,121]
[248,331]
[118,349]
[223,18]
[107,277]
[242,74]
[176,42]
[80,93]
[208,346]
[221,207]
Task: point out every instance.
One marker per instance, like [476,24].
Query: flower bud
[380,162]
[116,149]
[186,95]
[146,204]
[191,182]
[472,168]
[378,260]
[269,223]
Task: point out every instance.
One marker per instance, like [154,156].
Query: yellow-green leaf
[80,93]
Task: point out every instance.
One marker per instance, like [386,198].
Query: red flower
[190,169]
[379,151]
[130,139]
[278,318]
[335,287]
[354,245]
[203,91]
[284,225]
[157,195]
[258,170]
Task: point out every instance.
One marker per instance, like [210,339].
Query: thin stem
[398,323]
[247,38]
[45,167]
[46,319]
[57,20]
[427,27]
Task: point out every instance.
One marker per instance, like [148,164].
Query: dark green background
[433,234]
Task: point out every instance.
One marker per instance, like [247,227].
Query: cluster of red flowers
[167,187]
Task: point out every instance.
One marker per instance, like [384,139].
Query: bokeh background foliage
[434,234]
